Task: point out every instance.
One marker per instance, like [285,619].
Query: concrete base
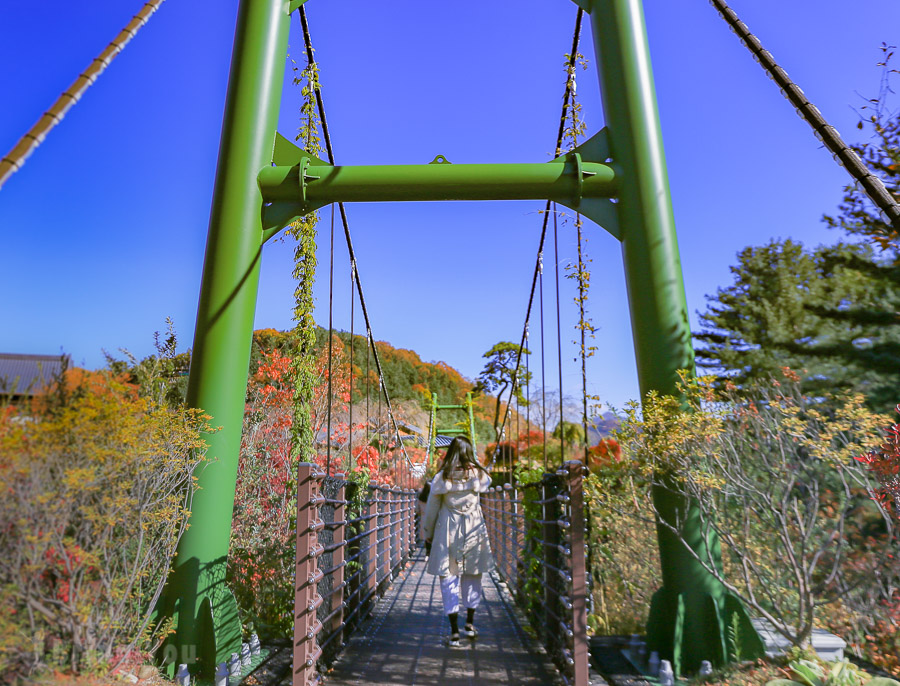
[827,645]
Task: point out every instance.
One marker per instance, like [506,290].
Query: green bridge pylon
[617,178]
[434,430]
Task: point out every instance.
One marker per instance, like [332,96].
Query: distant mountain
[603,426]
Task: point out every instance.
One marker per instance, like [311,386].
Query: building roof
[22,374]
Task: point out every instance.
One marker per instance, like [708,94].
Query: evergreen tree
[499,374]
[829,314]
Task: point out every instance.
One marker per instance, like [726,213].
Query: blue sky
[103,231]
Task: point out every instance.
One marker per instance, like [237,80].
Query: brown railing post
[337,561]
[401,507]
[384,535]
[409,521]
[579,578]
[372,543]
[549,551]
[395,530]
[411,499]
[306,598]
[495,521]
[413,507]
[508,533]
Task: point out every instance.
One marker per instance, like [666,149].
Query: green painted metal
[470,406]
[684,621]
[307,183]
[434,431]
[432,435]
[206,620]
[253,201]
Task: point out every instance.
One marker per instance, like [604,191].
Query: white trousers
[450,592]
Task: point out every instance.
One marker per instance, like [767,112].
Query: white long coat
[455,523]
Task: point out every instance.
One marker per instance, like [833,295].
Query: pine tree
[829,314]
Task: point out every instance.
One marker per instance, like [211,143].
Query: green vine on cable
[575,127]
[304,232]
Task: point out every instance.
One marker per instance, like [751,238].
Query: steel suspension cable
[350,419]
[562,439]
[847,157]
[582,324]
[543,371]
[368,415]
[539,262]
[527,390]
[320,106]
[330,345]
[21,151]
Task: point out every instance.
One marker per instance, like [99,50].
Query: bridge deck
[405,641]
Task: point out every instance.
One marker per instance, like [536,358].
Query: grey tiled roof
[22,374]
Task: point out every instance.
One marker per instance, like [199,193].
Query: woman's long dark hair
[461,449]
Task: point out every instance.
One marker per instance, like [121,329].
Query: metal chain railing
[348,550]
[537,534]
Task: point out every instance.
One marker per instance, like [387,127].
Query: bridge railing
[349,547]
[537,533]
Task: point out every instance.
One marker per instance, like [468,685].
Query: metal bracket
[304,176]
[294,5]
[573,159]
[594,149]
[603,211]
[440,159]
[586,5]
[286,154]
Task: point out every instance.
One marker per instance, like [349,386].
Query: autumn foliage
[261,560]
[95,479]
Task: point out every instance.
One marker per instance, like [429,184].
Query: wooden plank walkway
[404,642]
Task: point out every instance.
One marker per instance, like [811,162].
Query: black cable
[543,370]
[562,439]
[368,414]
[559,138]
[582,296]
[330,345]
[350,419]
[362,301]
[847,157]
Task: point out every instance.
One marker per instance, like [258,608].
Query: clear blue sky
[103,231]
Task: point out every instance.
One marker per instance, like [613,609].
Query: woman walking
[455,531]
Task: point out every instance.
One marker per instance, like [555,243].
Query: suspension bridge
[364,610]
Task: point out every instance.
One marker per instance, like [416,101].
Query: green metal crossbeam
[434,431]
[617,178]
[301,183]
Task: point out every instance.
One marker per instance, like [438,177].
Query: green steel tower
[617,178]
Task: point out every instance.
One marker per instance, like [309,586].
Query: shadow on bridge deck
[405,642]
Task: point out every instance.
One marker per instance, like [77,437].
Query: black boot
[469,631]
[454,628]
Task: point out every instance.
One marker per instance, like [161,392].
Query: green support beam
[253,200]
[206,622]
[305,183]
[690,612]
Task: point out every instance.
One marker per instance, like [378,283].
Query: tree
[570,433]
[774,476]
[545,405]
[499,374]
[830,312]
[857,215]
[97,481]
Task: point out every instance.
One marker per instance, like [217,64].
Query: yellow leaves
[693,434]
[94,489]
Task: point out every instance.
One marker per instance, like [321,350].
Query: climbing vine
[574,127]
[304,232]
